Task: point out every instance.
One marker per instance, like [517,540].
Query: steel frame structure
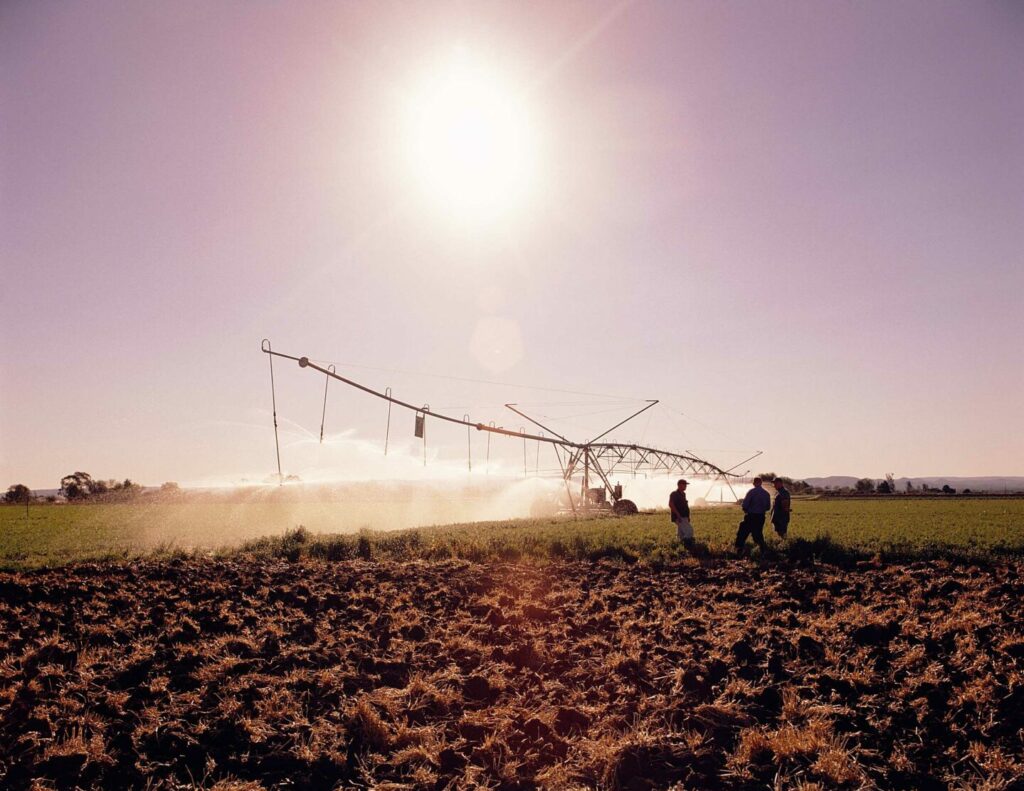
[589,461]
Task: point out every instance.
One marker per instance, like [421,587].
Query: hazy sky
[800,224]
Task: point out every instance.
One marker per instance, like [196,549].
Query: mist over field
[226,516]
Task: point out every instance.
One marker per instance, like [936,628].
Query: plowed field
[246,673]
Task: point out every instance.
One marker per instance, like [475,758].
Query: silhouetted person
[756,504]
[679,508]
[781,509]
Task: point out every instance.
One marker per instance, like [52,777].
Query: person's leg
[757,530]
[684,531]
[781,525]
[741,534]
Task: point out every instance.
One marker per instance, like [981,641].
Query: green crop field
[55,534]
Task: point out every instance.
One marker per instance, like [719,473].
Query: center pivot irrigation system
[586,462]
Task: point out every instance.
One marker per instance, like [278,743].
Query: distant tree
[128,489]
[884,487]
[766,476]
[910,486]
[864,486]
[947,489]
[794,486]
[77,486]
[889,479]
[170,487]
[967,491]
[18,493]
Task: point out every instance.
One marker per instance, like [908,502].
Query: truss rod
[661,455]
[651,402]
[733,467]
[304,362]
[535,422]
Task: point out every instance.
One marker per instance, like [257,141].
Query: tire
[624,508]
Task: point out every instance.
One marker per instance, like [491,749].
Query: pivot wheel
[624,508]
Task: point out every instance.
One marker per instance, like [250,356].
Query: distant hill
[996,483]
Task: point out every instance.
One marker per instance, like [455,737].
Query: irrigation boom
[589,459]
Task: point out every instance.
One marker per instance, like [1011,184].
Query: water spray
[588,460]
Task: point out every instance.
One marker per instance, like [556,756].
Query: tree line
[864,486]
[81,486]
[888,486]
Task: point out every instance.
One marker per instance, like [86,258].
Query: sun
[470,144]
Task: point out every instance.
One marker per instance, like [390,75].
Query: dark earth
[246,673]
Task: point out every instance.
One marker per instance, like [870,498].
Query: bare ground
[245,673]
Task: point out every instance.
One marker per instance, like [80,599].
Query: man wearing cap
[756,504]
[679,508]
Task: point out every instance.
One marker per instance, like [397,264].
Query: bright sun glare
[470,143]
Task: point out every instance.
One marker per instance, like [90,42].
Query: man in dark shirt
[781,509]
[756,504]
[679,509]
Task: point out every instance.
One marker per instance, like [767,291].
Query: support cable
[474,381]
[425,410]
[265,346]
[387,426]
[304,362]
[323,415]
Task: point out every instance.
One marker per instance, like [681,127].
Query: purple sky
[801,224]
